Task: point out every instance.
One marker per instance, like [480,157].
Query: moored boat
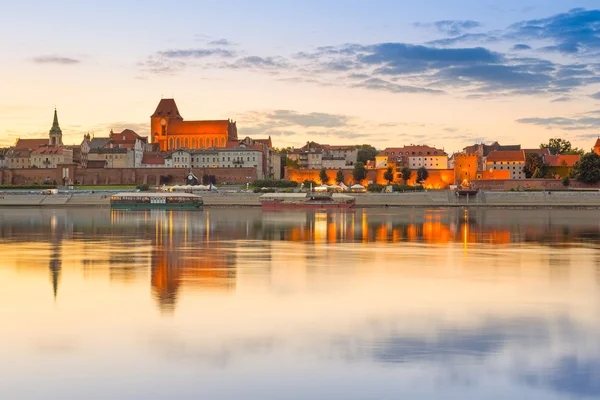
[306,201]
[160,201]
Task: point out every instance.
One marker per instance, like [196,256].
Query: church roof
[179,127]
[31,143]
[55,127]
[597,142]
[167,108]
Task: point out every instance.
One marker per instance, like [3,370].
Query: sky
[386,73]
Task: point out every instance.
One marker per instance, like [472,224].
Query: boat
[306,201]
[152,201]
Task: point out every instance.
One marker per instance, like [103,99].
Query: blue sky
[382,72]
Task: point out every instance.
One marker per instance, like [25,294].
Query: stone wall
[122,176]
[539,184]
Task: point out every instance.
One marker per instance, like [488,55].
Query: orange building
[597,147]
[171,132]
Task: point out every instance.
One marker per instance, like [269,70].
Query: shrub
[274,183]
[375,187]
[143,187]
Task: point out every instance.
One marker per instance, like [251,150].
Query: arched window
[170,144]
[178,143]
[193,143]
[222,142]
[187,144]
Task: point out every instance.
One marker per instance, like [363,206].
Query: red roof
[166,108]
[496,156]
[341,147]
[412,150]
[153,160]
[179,127]
[597,143]
[31,143]
[49,150]
[562,160]
[125,138]
[541,152]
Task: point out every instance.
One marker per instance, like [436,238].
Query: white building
[513,161]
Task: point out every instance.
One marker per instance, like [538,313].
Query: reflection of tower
[165,280]
[55,256]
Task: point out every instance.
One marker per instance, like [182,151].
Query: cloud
[255,62]
[467,37]
[596,96]
[561,99]
[221,42]
[196,53]
[576,31]
[585,121]
[54,59]
[310,119]
[520,47]
[450,27]
[380,84]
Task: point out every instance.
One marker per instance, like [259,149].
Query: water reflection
[429,303]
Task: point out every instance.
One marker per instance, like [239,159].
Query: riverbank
[574,199]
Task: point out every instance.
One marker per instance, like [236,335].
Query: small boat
[306,201]
[152,201]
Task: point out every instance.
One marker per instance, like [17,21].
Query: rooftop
[500,155]
[561,160]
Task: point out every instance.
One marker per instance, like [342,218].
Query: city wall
[120,176]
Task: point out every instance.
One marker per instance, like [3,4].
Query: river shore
[566,199]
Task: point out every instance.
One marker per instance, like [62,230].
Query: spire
[55,132]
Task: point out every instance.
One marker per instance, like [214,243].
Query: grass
[104,187]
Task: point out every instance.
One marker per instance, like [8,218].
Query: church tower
[55,132]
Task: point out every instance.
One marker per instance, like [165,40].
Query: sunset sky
[387,73]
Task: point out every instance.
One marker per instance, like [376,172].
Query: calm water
[240,304]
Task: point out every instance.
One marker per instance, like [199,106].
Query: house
[513,161]
[18,158]
[482,150]
[50,156]
[560,165]
[157,160]
[416,156]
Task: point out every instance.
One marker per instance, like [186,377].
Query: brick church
[171,132]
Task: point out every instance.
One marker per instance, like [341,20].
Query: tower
[55,132]
[159,121]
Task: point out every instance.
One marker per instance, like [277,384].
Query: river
[243,304]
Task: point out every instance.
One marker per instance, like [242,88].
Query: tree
[323,176]
[533,163]
[566,181]
[366,152]
[339,177]
[359,172]
[406,174]
[389,175]
[292,164]
[560,146]
[422,175]
[587,169]
[538,174]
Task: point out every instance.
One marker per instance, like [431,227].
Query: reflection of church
[181,259]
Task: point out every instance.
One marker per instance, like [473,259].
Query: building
[560,165]
[3,159]
[18,158]
[316,156]
[115,158]
[512,161]
[171,132]
[157,160]
[597,147]
[416,157]
[50,156]
[219,158]
[271,158]
[482,150]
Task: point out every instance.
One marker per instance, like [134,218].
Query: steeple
[55,132]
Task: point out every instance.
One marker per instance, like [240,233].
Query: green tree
[566,181]
[422,175]
[366,152]
[323,176]
[292,164]
[339,177]
[538,174]
[406,174]
[533,163]
[359,172]
[560,146]
[389,175]
[587,169]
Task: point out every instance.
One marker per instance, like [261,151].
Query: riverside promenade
[562,199]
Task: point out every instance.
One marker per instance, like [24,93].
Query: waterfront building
[3,159]
[18,158]
[482,150]
[239,157]
[512,161]
[416,156]
[597,147]
[50,156]
[169,131]
[316,156]
[157,160]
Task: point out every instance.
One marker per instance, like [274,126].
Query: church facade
[170,132]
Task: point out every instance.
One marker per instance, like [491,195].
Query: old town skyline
[448,78]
